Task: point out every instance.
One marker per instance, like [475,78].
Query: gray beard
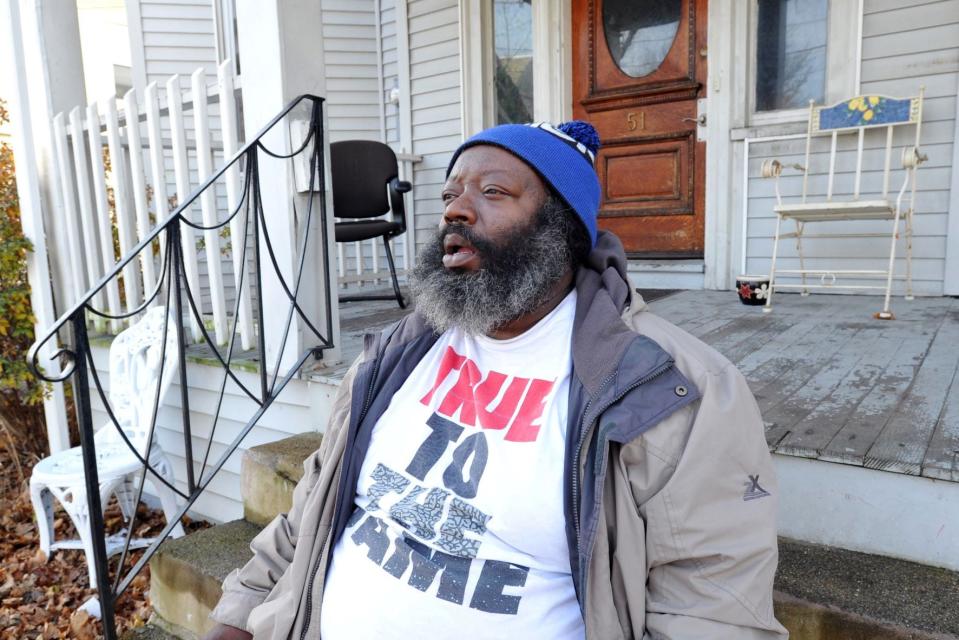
[515,278]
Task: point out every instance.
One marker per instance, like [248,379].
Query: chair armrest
[401,186]
[912,158]
[397,188]
[773,168]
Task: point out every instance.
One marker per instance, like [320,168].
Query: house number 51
[636,120]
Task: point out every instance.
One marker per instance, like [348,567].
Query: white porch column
[281,57]
[30,119]
[53,66]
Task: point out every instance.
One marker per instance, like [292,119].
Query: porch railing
[174,287]
[113,179]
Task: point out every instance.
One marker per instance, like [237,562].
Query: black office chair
[366,185]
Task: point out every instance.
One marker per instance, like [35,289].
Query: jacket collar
[601,339]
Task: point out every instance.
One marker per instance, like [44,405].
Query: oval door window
[639,33]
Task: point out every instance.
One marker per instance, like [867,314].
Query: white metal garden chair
[855,115]
[135,372]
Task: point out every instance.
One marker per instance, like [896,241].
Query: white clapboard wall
[352,64]
[176,38]
[905,46]
[435,101]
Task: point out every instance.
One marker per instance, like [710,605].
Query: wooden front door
[639,67]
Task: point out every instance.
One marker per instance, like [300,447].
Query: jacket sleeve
[711,546]
[247,587]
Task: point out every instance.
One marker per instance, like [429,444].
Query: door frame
[552,74]
[722,182]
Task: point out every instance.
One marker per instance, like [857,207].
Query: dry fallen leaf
[82,626]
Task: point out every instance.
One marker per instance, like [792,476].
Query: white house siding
[905,45]
[435,97]
[390,70]
[352,70]
[178,37]
[302,406]
[356,97]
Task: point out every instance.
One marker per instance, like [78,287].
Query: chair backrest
[856,115]
[137,359]
[361,170]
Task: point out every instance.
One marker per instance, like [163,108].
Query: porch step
[148,632]
[825,593]
[186,574]
[667,274]
[269,473]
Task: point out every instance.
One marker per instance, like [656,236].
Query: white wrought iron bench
[853,116]
[141,371]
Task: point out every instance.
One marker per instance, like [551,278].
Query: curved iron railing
[173,286]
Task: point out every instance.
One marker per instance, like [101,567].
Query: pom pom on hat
[581,132]
[562,155]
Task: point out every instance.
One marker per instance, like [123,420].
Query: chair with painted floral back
[141,371]
[860,116]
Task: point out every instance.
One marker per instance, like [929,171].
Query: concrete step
[667,274]
[269,472]
[148,632]
[825,593]
[822,593]
[186,574]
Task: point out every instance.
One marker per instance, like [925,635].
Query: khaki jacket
[671,509]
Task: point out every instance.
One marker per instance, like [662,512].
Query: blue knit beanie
[563,155]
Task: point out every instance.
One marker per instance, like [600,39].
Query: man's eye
[448,196]
[493,191]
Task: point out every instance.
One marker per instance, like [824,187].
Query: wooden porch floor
[832,383]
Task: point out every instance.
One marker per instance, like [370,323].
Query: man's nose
[460,209]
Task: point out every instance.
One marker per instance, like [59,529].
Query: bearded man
[531,454]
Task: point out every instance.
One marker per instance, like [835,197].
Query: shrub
[22,426]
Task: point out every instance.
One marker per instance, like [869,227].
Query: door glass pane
[513,69]
[639,33]
[790,53]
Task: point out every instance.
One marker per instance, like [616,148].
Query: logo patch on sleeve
[753,490]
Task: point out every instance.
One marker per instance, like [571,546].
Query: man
[529,455]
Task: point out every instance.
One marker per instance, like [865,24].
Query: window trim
[842,79]
[552,78]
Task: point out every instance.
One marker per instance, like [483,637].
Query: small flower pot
[752,290]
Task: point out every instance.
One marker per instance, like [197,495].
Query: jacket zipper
[316,567]
[586,431]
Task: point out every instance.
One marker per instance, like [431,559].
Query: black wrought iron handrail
[173,284]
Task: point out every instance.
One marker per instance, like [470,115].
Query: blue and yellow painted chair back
[866,111]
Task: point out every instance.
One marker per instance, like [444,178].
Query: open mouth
[458,251]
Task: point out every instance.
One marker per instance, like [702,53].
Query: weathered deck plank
[942,455]
[806,440]
[829,412]
[903,442]
[832,383]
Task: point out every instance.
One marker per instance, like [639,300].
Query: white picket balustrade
[121,205]
[157,170]
[108,257]
[211,237]
[88,219]
[141,188]
[181,171]
[74,243]
[228,125]
[138,180]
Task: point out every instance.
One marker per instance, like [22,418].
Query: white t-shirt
[458,529]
